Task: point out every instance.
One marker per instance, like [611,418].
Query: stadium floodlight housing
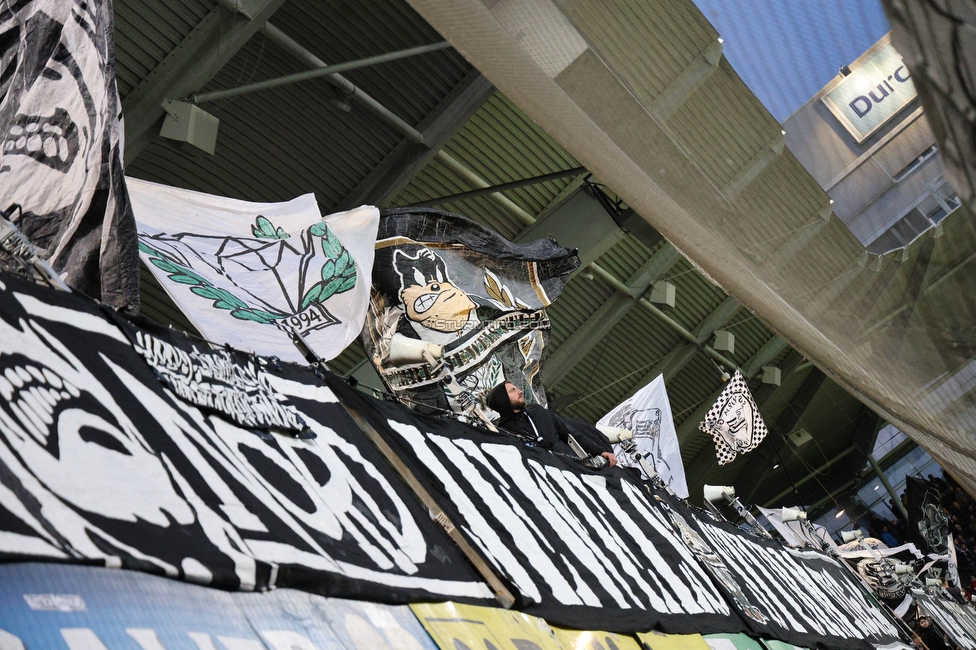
[792,514]
[713,493]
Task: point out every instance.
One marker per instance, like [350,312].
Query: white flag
[796,533]
[953,569]
[734,421]
[648,415]
[250,274]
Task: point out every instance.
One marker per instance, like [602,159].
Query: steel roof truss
[386,180]
[205,50]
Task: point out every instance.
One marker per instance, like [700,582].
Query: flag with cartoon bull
[456,308]
[255,275]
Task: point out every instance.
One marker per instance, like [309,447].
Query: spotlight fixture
[713,493]
[792,514]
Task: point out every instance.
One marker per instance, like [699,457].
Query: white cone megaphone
[715,493]
[792,514]
[851,535]
[902,569]
[933,582]
[405,350]
[615,434]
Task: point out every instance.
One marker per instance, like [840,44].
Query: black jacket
[551,431]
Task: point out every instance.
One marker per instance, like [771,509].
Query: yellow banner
[577,640]
[455,626]
[735,642]
[658,641]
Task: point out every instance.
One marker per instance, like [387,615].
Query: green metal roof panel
[147,30]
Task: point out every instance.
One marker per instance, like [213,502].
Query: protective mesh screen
[834,223]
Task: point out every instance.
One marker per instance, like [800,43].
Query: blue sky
[787,50]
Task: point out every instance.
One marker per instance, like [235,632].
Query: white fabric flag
[953,569]
[734,421]
[648,415]
[795,533]
[248,274]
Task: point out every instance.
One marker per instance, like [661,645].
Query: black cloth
[551,431]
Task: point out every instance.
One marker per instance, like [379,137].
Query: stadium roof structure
[615,123]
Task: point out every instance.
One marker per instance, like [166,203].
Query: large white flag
[648,415]
[251,274]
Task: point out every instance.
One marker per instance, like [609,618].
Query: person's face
[515,396]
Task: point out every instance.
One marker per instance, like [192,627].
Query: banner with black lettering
[101,462]
[580,548]
[802,597]
[61,160]
[444,283]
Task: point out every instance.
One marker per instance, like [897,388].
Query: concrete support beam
[387,179]
[787,250]
[688,81]
[198,57]
[757,165]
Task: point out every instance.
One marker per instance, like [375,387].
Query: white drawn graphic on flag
[734,421]
[648,415]
[62,143]
[250,274]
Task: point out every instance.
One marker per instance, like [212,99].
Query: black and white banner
[955,620]
[61,158]
[226,381]
[798,533]
[734,421]
[99,462]
[253,275]
[806,597]
[580,548]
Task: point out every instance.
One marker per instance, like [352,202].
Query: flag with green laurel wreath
[252,275]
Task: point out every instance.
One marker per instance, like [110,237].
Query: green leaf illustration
[222,298]
[264,229]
